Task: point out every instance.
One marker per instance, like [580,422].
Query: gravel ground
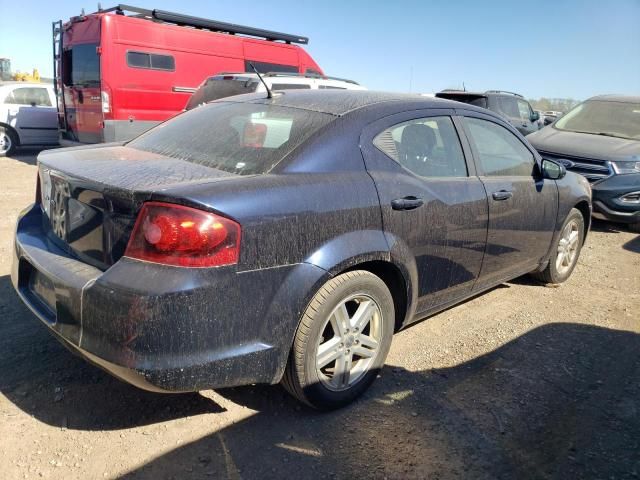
[524,381]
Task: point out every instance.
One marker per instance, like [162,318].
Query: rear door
[31,111]
[522,205]
[432,202]
[81,80]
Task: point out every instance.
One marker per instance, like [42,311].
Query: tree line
[556,104]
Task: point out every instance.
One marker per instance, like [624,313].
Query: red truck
[117,74]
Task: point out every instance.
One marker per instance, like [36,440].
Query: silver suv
[228,84]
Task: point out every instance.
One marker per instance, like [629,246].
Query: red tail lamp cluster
[183,236]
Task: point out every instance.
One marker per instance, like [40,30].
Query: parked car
[510,105]
[121,70]
[285,239]
[600,139]
[228,84]
[28,116]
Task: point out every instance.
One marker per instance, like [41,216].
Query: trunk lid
[91,196]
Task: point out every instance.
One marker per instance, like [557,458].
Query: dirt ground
[525,381]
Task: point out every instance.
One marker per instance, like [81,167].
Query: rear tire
[8,141]
[634,227]
[342,341]
[566,250]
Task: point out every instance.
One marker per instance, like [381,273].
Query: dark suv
[600,139]
[510,105]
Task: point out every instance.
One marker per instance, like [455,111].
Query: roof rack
[309,75]
[204,23]
[504,91]
[286,74]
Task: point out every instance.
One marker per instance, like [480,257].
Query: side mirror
[552,170]
[535,116]
[548,121]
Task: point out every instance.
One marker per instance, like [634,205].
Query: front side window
[289,86]
[266,67]
[151,61]
[34,96]
[240,138]
[500,152]
[507,106]
[525,111]
[428,147]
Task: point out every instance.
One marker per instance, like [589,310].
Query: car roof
[617,98]
[341,102]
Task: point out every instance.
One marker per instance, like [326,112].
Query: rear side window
[289,86]
[29,96]
[500,152]
[428,147]
[151,61]
[241,138]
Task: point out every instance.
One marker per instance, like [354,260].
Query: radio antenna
[269,94]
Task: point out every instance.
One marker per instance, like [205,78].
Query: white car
[28,116]
[228,84]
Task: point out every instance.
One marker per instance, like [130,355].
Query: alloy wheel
[349,343]
[568,247]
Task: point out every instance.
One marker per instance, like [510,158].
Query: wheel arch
[12,129]
[584,208]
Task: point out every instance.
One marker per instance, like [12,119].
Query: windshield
[601,117]
[241,138]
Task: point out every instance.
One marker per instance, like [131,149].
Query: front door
[522,205]
[432,203]
[31,111]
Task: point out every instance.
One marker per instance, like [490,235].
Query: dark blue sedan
[285,239]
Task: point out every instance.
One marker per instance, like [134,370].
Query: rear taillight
[183,236]
[38,189]
[106,101]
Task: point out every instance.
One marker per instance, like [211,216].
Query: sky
[539,48]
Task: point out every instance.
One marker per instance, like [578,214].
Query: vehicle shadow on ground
[28,155]
[45,380]
[633,245]
[607,227]
[561,401]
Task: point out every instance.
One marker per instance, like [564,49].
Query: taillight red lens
[183,236]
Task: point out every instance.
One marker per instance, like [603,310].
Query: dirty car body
[327,199]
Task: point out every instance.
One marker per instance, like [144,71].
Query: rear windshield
[470,99]
[241,138]
[81,66]
[216,88]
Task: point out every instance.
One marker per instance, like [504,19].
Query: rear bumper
[607,203]
[113,131]
[164,328]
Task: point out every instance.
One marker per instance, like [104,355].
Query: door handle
[407,203]
[502,195]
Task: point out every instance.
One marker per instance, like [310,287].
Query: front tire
[8,141]
[566,250]
[634,227]
[342,341]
